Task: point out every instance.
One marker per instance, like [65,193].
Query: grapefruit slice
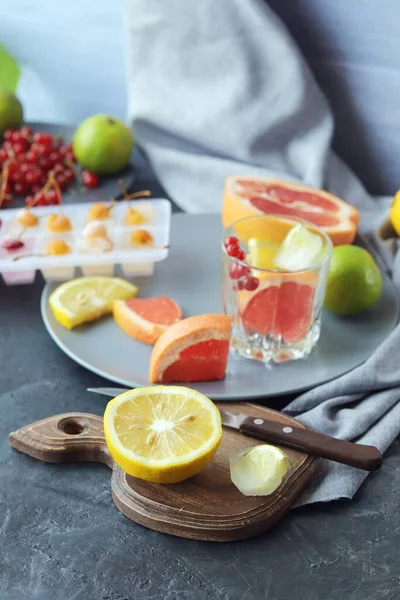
[145,319]
[249,197]
[282,307]
[194,349]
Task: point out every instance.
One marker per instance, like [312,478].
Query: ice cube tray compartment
[134,260]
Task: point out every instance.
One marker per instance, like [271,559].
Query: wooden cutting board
[206,507]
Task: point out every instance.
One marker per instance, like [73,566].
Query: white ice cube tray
[134,260]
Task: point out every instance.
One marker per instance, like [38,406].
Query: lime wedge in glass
[300,249]
[259,471]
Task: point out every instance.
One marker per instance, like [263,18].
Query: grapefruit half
[282,306]
[250,196]
[145,319]
[194,349]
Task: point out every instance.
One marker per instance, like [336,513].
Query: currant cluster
[238,272]
[27,160]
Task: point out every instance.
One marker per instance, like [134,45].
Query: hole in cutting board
[72,426]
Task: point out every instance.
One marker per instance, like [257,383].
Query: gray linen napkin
[219,88]
[361,406]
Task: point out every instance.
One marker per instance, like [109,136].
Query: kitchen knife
[355,455]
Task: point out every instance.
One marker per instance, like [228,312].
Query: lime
[354,281]
[11,112]
[262,253]
[299,250]
[259,471]
[103,144]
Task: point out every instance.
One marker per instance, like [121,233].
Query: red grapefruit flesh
[246,197]
[145,319]
[204,361]
[194,349]
[284,311]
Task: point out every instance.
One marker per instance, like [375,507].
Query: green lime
[11,112]
[103,144]
[354,281]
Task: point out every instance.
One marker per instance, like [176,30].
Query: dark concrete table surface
[62,538]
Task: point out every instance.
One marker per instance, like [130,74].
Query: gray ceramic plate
[191,275]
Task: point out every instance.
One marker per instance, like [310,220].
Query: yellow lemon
[262,253]
[88,298]
[395,213]
[162,434]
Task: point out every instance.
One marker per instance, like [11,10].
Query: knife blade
[355,455]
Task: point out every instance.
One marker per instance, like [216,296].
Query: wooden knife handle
[71,437]
[348,453]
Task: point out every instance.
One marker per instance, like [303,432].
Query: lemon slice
[299,250]
[88,298]
[260,470]
[262,253]
[395,213]
[162,434]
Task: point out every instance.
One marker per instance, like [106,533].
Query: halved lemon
[88,298]
[162,434]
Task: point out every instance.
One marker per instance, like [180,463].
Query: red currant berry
[36,189]
[28,200]
[11,245]
[32,157]
[43,178]
[62,182]
[233,250]
[19,148]
[33,177]
[16,137]
[70,157]
[43,138]
[24,167]
[40,199]
[9,147]
[236,271]
[51,197]
[58,168]
[3,155]
[20,189]
[16,176]
[231,241]
[250,283]
[241,254]
[8,134]
[54,157]
[45,163]
[9,187]
[26,131]
[12,168]
[69,175]
[44,150]
[90,180]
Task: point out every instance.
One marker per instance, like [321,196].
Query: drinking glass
[276,313]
